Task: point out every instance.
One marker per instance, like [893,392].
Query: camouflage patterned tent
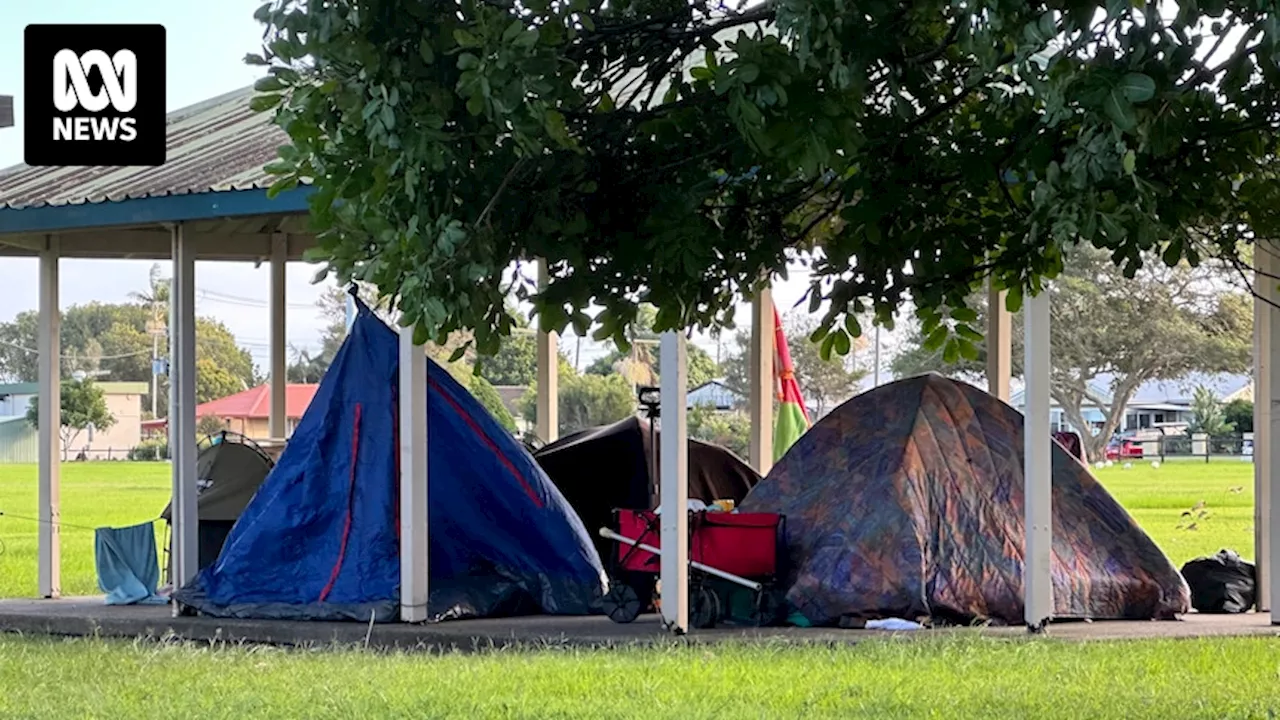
[907,501]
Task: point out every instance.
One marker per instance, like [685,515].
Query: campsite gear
[793,418]
[743,549]
[320,539]
[229,470]
[1223,583]
[907,501]
[615,466]
[127,566]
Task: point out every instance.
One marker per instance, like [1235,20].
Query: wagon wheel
[621,603]
[768,607]
[706,609]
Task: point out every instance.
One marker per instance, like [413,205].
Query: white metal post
[1037,575]
[49,408]
[548,374]
[182,409]
[674,480]
[413,479]
[999,344]
[1269,500]
[278,418]
[1264,287]
[760,378]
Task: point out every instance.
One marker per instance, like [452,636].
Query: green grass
[111,493]
[93,495]
[1157,497]
[934,677]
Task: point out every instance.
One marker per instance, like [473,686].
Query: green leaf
[964,315]
[951,352]
[1137,87]
[968,350]
[468,61]
[852,326]
[841,344]
[1130,162]
[748,73]
[458,352]
[935,339]
[465,38]
[420,334]
[270,83]
[262,103]
[1119,109]
[475,105]
[281,185]
[424,50]
[828,343]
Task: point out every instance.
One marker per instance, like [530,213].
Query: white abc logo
[119,81]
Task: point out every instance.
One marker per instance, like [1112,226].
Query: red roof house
[248,412]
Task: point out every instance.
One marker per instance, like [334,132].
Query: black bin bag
[1221,584]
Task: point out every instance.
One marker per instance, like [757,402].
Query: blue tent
[320,539]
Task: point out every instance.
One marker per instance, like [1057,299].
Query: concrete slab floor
[89,616]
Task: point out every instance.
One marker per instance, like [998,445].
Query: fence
[1199,447]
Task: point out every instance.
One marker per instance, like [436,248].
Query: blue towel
[128,570]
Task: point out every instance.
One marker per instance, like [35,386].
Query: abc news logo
[94,95]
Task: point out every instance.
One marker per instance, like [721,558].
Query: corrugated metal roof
[219,144]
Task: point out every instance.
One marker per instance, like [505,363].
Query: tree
[114,342]
[731,430]
[641,365]
[83,405]
[516,361]
[1206,414]
[677,152]
[209,425]
[585,400]
[492,401]
[1162,324]
[1239,414]
[823,382]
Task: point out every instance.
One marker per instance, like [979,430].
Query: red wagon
[725,550]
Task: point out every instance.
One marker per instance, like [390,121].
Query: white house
[124,402]
[1157,405]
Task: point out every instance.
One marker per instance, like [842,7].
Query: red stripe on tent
[351,501]
[395,435]
[492,446]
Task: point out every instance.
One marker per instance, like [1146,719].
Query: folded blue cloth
[128,570]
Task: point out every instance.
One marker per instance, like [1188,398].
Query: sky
[207,42]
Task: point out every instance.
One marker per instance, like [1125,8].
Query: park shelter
[320,540]
[907,501]
[209,201]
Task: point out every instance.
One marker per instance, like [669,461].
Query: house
[249,412]
[124,403]
[511,397]
[1163,405]
[717,395]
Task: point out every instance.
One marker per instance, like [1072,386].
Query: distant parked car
[1124,449]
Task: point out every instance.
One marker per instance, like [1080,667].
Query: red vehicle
[1124,449]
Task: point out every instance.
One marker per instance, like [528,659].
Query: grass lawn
[934,677]
[93,494]
[120,493]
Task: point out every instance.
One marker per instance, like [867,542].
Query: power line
[229,299]
[79,357]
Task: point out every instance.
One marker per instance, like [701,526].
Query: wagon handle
[611,535]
